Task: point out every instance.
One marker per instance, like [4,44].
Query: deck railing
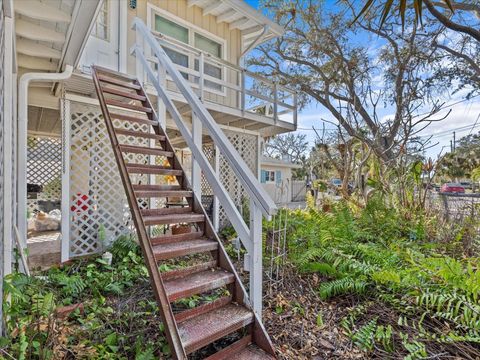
[260,201]
[219,81]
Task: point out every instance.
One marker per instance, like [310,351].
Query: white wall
[279,192]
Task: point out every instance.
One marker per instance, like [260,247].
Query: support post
[196,170]
[161,111]
[216,204]
[201,70]
[8,121]
[255,258]
[138,65]
[65,245]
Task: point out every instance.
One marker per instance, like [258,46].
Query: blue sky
[464,115]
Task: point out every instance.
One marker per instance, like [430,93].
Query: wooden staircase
[227,320]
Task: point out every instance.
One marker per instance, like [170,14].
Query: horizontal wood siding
[193,15]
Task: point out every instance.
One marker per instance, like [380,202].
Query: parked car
[452,188]
[466,184]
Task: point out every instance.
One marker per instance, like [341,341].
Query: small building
[276,177]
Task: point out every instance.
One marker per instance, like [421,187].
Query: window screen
[207,45]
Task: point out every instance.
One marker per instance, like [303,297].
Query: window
[267,176]
[189,36]
[100,29]
[171,29]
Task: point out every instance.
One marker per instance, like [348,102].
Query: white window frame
[153,10]
[269,180]
[106,6]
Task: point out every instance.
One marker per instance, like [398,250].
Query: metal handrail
[247,178]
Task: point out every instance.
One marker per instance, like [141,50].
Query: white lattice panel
[44,165]
[98,203]
[247,147]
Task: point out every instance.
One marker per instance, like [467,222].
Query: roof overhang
[251,23]
[266,161]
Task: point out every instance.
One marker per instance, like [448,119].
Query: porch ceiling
[239,15]
[43,121]
[51,33]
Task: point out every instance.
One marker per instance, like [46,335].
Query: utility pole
[451,146]
[454,142]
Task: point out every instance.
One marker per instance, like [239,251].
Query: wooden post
[196,170]
[275,101]
[216,204]
[243,91]
[201,80]
[255,258]
[65,245]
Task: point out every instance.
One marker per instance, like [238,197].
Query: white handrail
[247,178]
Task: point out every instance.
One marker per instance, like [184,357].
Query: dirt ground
[301,325]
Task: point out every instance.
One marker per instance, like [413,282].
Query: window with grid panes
[100,30]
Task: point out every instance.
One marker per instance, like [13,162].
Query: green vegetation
[414,295]
[116,316]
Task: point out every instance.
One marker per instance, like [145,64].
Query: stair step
[145,150]
[124,94]
[159,187]
[173,250]
[152,169]
[118,82]
[173,219]
[114,73]
[134,119]
[202,309]
[166,211]
[163,193]
[252,352]
[242,349]
[206,328]
[140,134]
[197,283]
[166,239]
[189,270]
[127,106]
[230,351]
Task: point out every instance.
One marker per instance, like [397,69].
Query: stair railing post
[196,169]
[255,258]
[216,203]
[161,110]
[201,80]
[139,42]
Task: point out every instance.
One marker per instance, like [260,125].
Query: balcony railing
[221,82]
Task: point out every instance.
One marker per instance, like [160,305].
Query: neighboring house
[58,112]
[276,177]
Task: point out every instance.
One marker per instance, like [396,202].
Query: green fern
[364,338]
[342,287]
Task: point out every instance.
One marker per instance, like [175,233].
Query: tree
[455,35]
[293,146]
[464,160]
[317,54]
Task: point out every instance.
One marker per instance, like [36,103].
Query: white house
[276,178]
[54,151]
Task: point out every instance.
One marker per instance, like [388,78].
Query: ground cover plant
[114,314]
[410,296]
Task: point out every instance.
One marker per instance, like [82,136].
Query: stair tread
[173,218]
[189,270]
[153,169]
[118,82]
[197,283]
[172,250]
[170,238]
[124,94]
[145,150]
[251,352]
[130,118]
[140,134]
[102,69]
[125,105]
[163,193]
[206,328]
